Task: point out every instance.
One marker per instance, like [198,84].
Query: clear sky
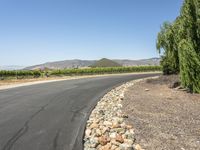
[38,31]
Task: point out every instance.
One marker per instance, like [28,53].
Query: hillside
[106,63]
[141,62]
[76,63]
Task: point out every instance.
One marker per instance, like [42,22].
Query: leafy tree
[190,66]
[166,41]
[189,46]
[180,41]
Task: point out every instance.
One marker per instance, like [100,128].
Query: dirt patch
[163,118]
[164,80]
[18,81]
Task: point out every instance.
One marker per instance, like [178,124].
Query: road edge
[10,86]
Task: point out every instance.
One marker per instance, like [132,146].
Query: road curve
[52,116]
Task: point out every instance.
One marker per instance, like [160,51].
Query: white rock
[107,123]
[87,132]
[113,135]
[125,146]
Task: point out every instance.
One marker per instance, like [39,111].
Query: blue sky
[38,31]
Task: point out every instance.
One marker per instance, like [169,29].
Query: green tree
[166,41]
[189,66]
[189,46]
[180,41]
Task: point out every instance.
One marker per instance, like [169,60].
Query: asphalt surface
[52,116]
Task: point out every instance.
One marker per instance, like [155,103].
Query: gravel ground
[163,118]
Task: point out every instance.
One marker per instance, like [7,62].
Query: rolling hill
[106,63]
[77,63]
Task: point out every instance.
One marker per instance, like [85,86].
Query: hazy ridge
[77,63]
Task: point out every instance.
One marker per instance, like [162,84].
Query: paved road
[51,116]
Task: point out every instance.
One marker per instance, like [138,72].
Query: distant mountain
[141,62]
[76,63]
[106,63]
[12,67]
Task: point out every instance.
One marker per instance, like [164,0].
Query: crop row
[105,70]
[20,73]
[86,71]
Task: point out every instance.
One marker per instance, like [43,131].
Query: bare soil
[163,118]
[18,81]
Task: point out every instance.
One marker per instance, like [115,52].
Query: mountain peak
[104,62]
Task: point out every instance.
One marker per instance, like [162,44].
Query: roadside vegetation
[179,42]
[20,74]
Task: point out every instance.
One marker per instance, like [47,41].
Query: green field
[21,74]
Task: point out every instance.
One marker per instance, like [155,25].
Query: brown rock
[103,140]
[119,138]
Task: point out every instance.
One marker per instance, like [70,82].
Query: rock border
[106,128]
